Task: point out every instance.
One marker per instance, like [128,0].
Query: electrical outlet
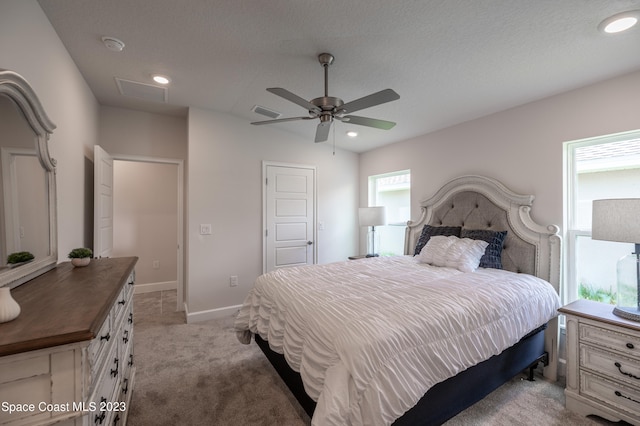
[205,229]
[233,281]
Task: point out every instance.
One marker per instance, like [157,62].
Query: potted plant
[19,258]
[80,256]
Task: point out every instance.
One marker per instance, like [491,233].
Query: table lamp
[618,220]
[372,216]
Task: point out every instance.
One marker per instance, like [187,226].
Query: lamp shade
[616,220]
[372,216]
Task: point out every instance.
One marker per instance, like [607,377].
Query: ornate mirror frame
[18,89]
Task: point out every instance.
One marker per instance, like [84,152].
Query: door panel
[285,207]
[103,203]
[289,216]
[291,256]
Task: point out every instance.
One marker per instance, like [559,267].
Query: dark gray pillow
[492,257]
[429,231]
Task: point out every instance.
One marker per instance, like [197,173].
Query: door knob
[309,243]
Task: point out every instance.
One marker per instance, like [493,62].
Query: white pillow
[465,254]
[461,253]
[435,251]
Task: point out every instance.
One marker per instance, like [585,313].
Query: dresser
[68,357]
[603,362]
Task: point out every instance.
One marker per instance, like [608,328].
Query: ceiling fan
[327,108]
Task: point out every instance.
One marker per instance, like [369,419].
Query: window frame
[372,198]
[569,286]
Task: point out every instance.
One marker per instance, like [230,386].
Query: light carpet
[199,374]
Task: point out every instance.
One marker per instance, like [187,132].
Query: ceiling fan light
[620,22]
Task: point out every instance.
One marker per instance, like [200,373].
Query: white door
[102,203]
[289,216]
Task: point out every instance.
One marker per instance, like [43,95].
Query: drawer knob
[114,373]
[122,302]
[100,418]
[105,337]
[617,364]
[630,345]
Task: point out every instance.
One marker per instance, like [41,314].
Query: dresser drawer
[619,396]
[612,365]
[121,303]
[127,375]
[100,344]
[620,342]
[103,397]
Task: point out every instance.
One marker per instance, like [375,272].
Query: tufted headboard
[478,202]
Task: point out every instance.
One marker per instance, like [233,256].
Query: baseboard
[210,314]
[148,288]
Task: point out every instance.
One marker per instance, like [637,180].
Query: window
[596,168]
[392,190]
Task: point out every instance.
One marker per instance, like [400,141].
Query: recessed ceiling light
[619,22]
[161,79]
[352,134]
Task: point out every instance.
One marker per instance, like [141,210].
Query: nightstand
[603,362]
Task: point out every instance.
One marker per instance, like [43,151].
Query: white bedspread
[370,337]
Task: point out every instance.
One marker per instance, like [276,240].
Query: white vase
[9,308]
[80,261]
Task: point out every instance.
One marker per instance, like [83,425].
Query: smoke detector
[113,43]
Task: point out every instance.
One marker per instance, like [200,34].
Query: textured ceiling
[450,60]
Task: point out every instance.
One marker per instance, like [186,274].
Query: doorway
[147,221]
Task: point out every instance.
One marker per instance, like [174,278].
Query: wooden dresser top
[599,312]
[64,305]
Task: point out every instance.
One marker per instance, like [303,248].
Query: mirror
[28,190]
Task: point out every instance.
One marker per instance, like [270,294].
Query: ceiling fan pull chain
[334,141]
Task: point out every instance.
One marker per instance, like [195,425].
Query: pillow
[435,251]
[465,254]
[429,231]
[461,253]
[492,257]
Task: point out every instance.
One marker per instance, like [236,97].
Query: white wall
[521,147]
[30,47]
[128,132]
[145,218]
[225,189]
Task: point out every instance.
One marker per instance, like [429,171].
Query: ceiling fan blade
[282,120]
[366,121]
[322,132]
[374,99]
[291,97]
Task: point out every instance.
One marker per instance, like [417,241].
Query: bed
[415,339]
